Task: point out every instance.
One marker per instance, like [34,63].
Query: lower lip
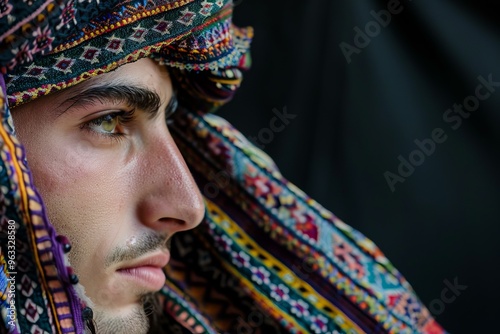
[150,277]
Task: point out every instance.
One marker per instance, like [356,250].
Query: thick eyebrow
[135,97]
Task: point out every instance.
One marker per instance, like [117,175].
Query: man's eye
[111,124]
[105,124]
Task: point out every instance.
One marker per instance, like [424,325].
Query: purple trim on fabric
[39,228]
[29,18]
[2,85]
[63,304]
[42,239]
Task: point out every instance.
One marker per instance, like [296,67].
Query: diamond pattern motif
[27,286]
[90,54]
[64,64]
[31,311]
[187,17]
[115,44]
[206,8]
[35,72]
[139,34]
[163,26]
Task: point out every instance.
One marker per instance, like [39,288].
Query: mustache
[142,245]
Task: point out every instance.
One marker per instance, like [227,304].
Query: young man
[90,98]
[114,183]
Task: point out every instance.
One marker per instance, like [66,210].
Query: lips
[147,271]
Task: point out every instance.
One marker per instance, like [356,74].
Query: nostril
[178,225]
[172,221]
[165,220]
[173,225]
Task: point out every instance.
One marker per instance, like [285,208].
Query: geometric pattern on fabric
[196,270]
[165,32]
[292,300]
[364,284]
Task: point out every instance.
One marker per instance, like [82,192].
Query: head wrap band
[74,41]
[267,258]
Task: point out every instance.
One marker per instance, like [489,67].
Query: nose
[171,201]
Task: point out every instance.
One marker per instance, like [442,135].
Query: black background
[355,119]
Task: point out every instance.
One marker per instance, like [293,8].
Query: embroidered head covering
[267,258]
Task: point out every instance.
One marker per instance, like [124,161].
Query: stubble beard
[135,322]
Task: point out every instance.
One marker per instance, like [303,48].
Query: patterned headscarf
[267,258]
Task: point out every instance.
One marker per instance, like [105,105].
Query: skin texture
[118,199]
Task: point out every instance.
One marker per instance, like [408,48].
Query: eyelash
[124,117]
[172,107]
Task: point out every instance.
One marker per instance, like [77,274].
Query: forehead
[144,73]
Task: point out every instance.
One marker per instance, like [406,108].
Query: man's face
[114,183]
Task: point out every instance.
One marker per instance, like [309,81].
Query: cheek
[84,200]
[68,165]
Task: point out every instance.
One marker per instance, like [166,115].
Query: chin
[131,319]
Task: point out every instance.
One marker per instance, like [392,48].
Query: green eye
[105,124]
[113,124]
